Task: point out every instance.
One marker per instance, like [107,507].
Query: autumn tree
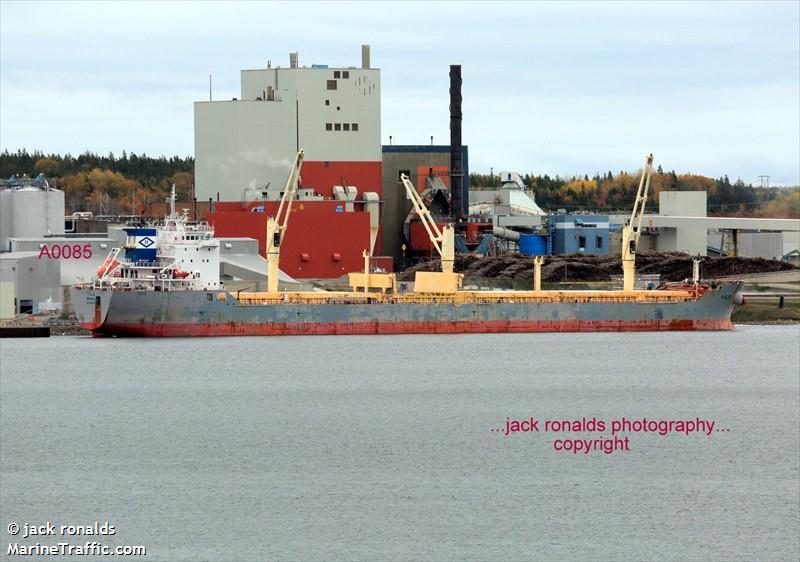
[46,166]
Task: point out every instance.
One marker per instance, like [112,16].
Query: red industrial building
[244,148]
[323,240]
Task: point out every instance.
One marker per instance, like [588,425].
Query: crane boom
[633,229]
[443,240]
[276,226]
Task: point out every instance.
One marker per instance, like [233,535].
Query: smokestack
[364,56]
[292,60]
[458,202]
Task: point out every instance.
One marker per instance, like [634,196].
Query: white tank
[30,212]
[5,219]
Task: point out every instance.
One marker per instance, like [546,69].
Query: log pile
[672,266]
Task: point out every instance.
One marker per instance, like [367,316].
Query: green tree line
[145,169]
[616,192]
[106,184]
[110,184]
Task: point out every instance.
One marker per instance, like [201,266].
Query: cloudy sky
[562,88]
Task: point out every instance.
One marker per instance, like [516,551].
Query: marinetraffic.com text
[603,436]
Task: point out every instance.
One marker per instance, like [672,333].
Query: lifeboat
[109,265]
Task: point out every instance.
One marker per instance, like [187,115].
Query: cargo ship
[167,284]
[219,313]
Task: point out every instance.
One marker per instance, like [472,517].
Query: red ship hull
[388,328]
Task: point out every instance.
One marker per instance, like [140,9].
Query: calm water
[378,448]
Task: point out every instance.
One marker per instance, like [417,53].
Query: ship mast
[442,241]
[172,200]
[276,226]
[633,229]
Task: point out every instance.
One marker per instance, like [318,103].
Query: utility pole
[765,184]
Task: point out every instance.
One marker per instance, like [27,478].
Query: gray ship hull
[218,313]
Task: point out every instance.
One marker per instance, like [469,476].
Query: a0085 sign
[66,252]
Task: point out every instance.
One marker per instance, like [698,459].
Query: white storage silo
[30,212]
[5,219]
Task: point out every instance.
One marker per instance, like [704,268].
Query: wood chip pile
[672,266]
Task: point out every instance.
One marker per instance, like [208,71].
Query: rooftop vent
[364,56]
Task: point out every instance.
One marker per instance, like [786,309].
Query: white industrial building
[681,225]
[249,143]
[76,266]
[767,245]
[28,284]
[689,239]
[29,207]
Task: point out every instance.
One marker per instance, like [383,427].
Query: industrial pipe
[506,233]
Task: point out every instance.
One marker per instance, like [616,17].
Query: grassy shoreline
[766,313]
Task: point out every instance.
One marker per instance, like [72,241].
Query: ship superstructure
[172,255]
